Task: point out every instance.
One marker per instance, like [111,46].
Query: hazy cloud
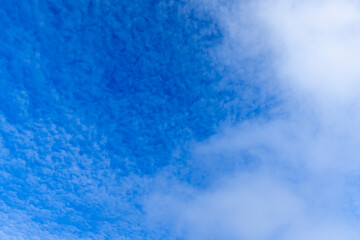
[295,173]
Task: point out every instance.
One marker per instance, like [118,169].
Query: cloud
[316,44]
[293,173]
[249,207]
[312,46]
[101,99]
[253,205]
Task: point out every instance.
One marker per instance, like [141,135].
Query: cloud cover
[108,132]
[293,173]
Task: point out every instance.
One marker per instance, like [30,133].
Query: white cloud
[317,44]
[304,185]
[253,206]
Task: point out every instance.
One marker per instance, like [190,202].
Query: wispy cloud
[292,174]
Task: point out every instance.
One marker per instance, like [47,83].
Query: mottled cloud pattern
[97,97]
[180,119]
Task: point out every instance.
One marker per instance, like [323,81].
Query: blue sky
[180,119]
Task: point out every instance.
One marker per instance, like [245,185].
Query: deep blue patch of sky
[136,70]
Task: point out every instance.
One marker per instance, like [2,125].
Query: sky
[180,119]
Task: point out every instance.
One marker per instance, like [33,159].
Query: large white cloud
[304,182]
